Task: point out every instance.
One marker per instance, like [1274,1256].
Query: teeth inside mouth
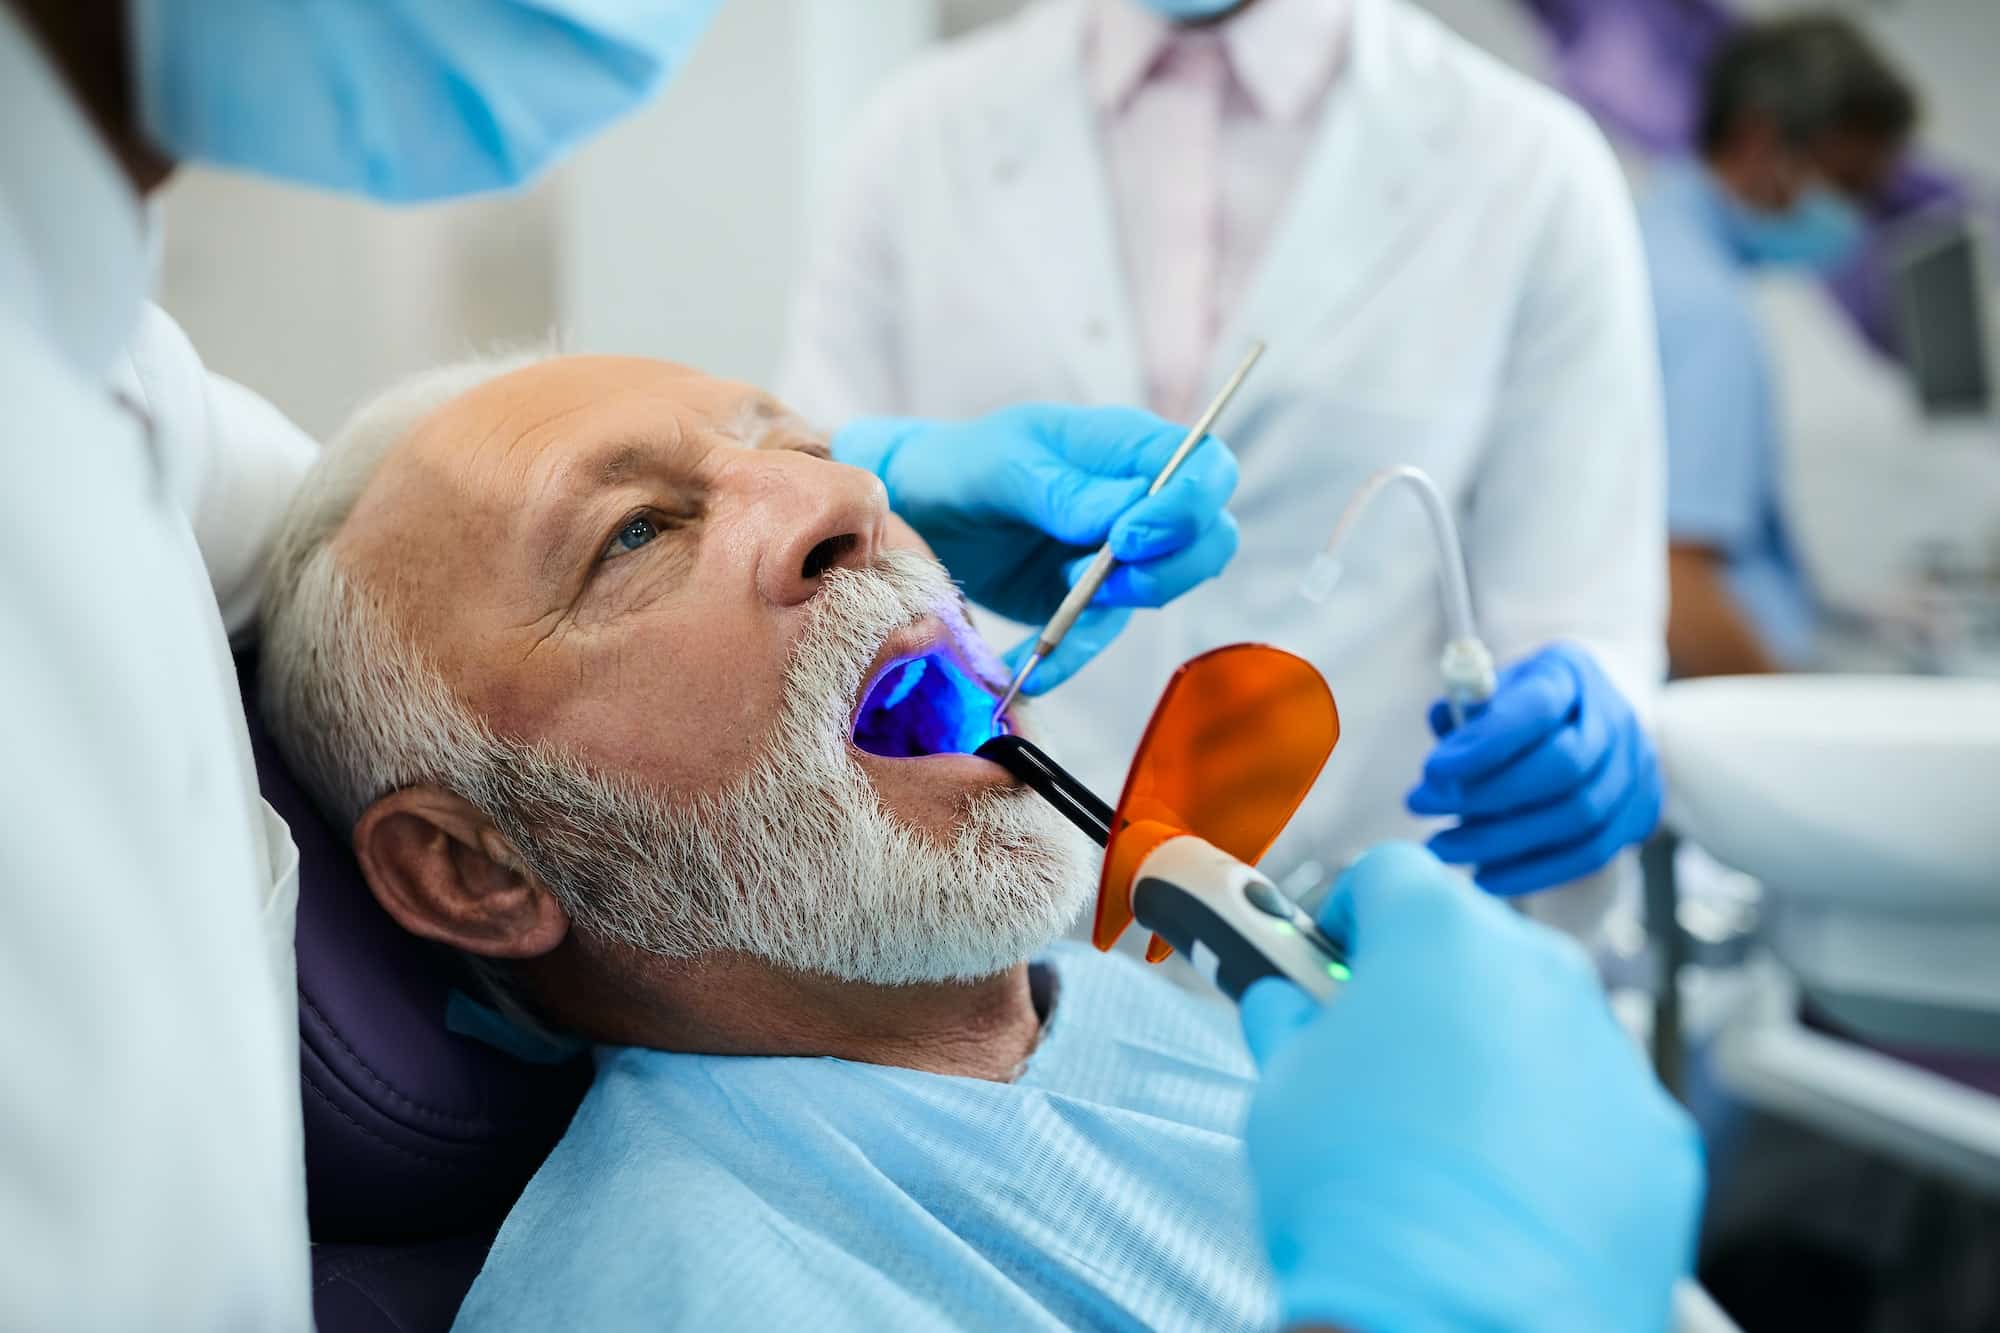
[924,706]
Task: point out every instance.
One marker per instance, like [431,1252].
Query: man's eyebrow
[617,463]
[611,464]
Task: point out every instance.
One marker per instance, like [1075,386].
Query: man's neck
[735,1005]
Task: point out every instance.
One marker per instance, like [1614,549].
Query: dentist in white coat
[1106,200]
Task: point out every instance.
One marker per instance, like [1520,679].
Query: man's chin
[1002,878]
[952,959]
[943,969]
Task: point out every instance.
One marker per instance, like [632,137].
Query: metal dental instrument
[1099,568]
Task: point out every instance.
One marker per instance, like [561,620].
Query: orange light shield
[1237,740]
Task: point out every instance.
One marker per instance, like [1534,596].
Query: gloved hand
[1550,781]
[1463,1137]
[1016,502]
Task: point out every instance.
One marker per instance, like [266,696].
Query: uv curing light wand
[1230,922]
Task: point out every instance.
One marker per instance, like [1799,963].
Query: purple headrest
[411,1129]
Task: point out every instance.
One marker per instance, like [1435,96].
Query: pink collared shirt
[1204,133]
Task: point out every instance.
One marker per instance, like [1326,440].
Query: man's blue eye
[636,533]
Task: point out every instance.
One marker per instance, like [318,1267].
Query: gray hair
[359,710]
[355,707]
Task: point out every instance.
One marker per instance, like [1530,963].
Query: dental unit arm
[1466,664]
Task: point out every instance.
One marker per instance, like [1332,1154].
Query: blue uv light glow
[926,706]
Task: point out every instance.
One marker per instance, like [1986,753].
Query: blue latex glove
[1016,502]
[1552,779]
[1463,1138]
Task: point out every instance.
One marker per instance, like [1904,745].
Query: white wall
[316,301]
[677,235]
[1952,48]
[682,231]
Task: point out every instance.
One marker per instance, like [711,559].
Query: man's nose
[817,516]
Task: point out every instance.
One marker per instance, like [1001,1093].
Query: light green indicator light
[1284,928]
[1338,971]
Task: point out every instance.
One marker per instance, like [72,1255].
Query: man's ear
[438,865]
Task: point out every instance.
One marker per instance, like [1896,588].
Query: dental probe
[1099,568]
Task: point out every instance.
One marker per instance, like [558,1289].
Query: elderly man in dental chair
[633,698]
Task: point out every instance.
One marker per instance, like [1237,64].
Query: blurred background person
[1801,120]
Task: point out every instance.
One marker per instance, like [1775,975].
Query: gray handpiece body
[1231,923]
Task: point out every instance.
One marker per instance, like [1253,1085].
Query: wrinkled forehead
[486,475]
[516,434]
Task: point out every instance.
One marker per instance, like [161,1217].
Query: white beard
[798,862]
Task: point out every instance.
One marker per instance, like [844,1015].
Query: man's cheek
[688,712]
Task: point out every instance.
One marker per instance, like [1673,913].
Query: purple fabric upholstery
[394,1288]
[412,1131]
[1634,64]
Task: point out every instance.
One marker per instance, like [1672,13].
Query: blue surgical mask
[402,100]
[1817,232]
[1185,11]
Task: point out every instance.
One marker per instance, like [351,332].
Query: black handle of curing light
[1078,803]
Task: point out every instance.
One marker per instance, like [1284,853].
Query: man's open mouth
[922,702]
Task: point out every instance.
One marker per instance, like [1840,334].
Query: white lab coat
[151,1173]
[1457,284]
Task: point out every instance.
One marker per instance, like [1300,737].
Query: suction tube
[1466,665]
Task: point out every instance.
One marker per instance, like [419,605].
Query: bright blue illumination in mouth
[906,683]
[925,706]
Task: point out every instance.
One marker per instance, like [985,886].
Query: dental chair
[418,1139]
